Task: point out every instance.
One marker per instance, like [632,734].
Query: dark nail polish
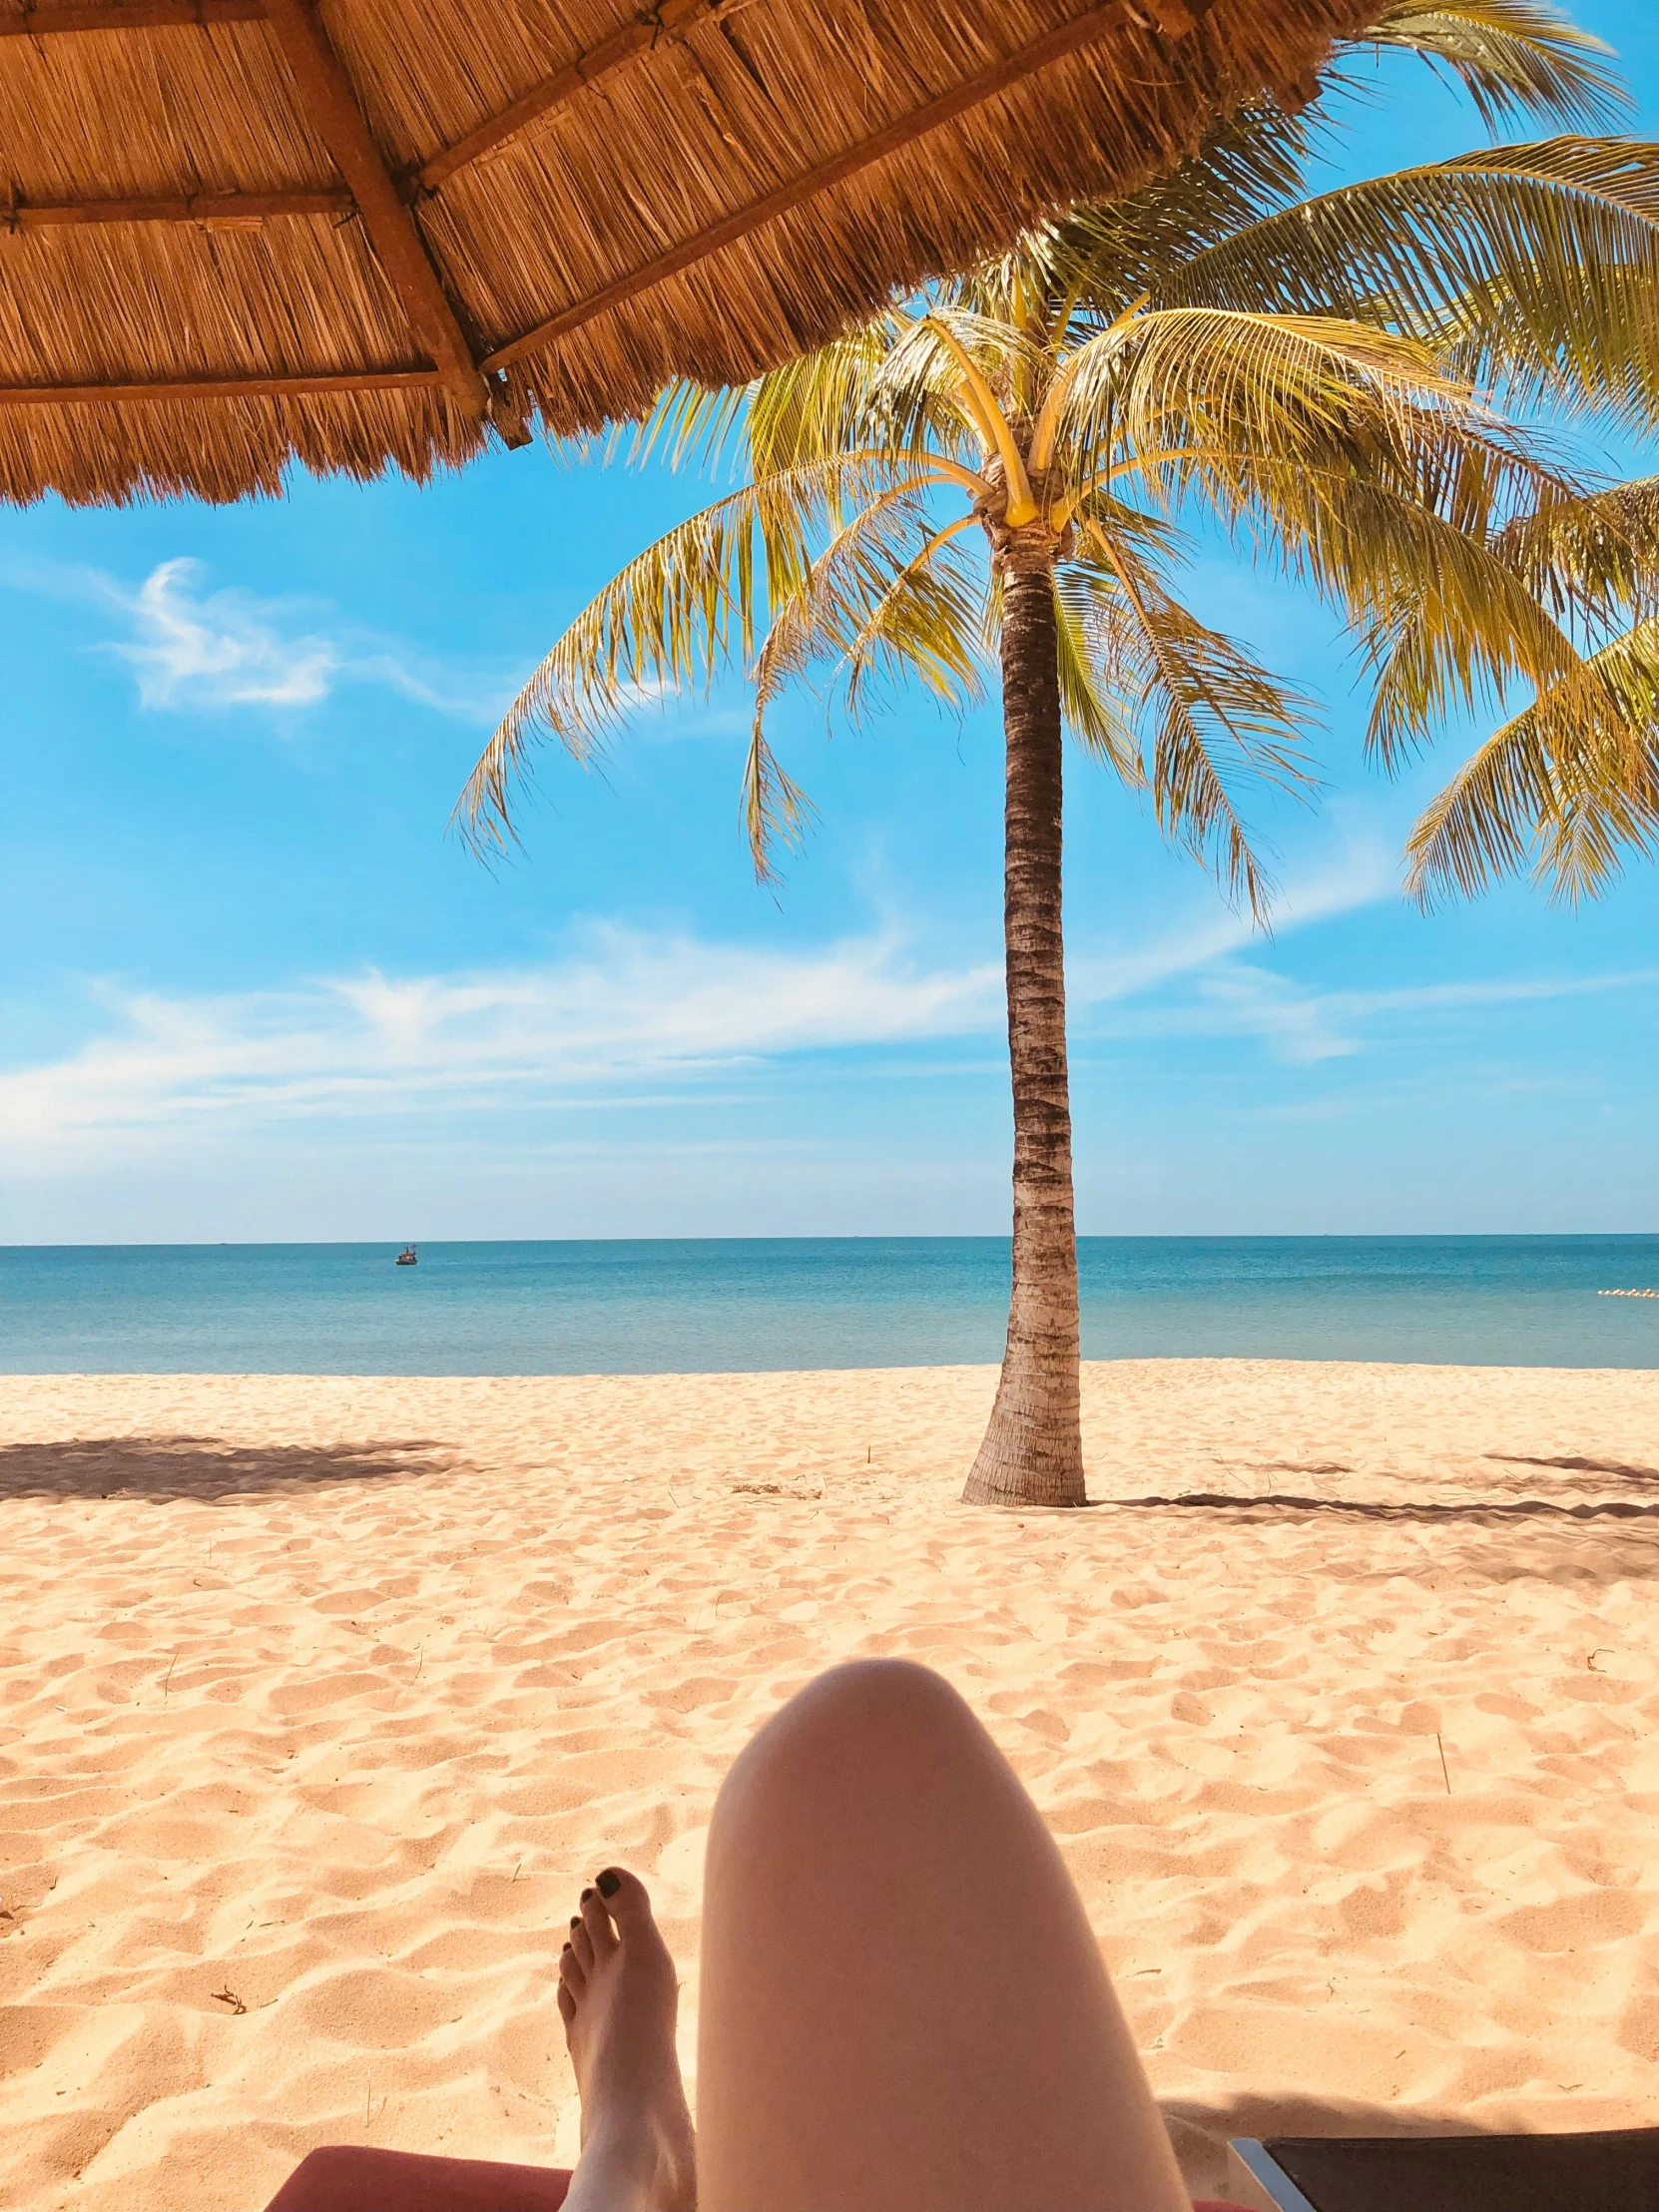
[610,1881]
[575,1923]
[586,1893]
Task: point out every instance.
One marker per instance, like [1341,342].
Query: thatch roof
[237,232]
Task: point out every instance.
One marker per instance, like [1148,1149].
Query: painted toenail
[586,1893]
[575,1923]
[610,1881]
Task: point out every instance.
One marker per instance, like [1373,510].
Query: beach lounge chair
[1616,2170]
[1613,2171]
[353,2178]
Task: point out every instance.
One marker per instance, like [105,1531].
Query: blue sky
[250,989]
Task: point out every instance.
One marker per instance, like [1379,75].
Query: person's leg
[903,2008]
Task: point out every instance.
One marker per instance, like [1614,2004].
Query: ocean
[711,1305]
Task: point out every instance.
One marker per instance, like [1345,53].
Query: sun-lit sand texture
[321,1697]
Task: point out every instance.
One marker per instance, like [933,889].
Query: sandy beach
[321,1697]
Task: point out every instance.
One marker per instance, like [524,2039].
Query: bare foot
[618,1996]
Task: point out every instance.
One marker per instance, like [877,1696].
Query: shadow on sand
[165,1467]
[1579,1466]
[1481,1511]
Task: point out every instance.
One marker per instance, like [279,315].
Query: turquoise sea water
[713,1305]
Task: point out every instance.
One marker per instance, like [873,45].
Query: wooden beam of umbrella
[326,99]
[240,233]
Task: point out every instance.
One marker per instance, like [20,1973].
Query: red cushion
[349,2177]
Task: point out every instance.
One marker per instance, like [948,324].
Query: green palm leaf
[1527,268]
[1218,720]
[1570,786]
[1593,559]
[678,614]
[1090,610]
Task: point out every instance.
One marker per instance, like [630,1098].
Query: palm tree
[995,474]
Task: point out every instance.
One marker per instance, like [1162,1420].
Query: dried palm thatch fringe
[222,251]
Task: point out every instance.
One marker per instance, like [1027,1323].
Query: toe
[596,1925]
[626,1899]
[567,2004]
[572,1974]
[581,1942]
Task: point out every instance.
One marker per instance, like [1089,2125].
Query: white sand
[343,1739]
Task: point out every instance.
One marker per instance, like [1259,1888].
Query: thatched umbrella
[236,233]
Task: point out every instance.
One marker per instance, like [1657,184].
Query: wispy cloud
[224,649]
[1299,1024]
[625,1010]
[625,1014]
[1361,872]
[192,649]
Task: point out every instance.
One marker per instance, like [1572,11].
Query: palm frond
[1592,559]
[674,617]
[1091,615]
[1218,719]
[1571,785]
[693,426]
[884,600]
[1529,270]
[1218,402]
[1103,257]
[775,811]
[927,619]
[1441,620]
[883,387]
[1514,59]
[1598,827]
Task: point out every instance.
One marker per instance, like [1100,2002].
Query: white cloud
[222,650]
[1303,1025]
[1436,997]
[192,649]
[622,1015]
[626,1010]
[626,1019]
[1361,872]
[1293,1023]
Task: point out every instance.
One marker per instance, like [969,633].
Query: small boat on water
[408,1257]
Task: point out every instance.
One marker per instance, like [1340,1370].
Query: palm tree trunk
[1033,1449]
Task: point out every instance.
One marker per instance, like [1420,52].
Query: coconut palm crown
[993,477]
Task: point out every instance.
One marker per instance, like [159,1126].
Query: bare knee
[868,1703]
[854,1729]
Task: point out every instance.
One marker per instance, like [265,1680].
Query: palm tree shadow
[1476,1510]
[170,1467]
[1579,1466]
